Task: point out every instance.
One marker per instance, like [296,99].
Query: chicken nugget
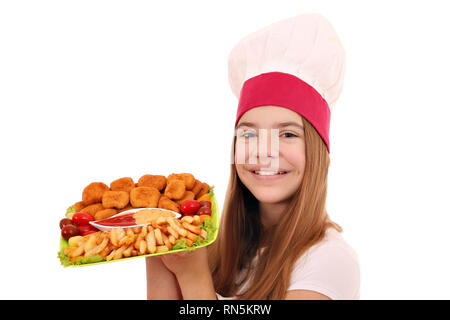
[188,195]
[166,203]
[78,206]
[173,176]
[144,197]
[155,181]
[175,189]
[103,214]
[93,209]
[128,207]
[122,184]
[197,187]
[93,193]
[187,178]
[115,199]
[204,190]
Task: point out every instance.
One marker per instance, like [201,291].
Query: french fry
[158,237]
[137,230]
[177,222]
[192,228]
[188,219]
[191,236]
[142,247]
[151,242]
[120,233]
[161,220]
[106,251]
[172,232]
[99,238]
[172,239]
[74,241]
[162,249]
[128,239]
[127,252]
[98,249]
[163,229]
[119,252]
[68,250]
[91,241]
[144,232]
[176,227]
[203,234]
[114,237]
[111,255]
[140,237]
[78,251]
[166,240]
[197,221]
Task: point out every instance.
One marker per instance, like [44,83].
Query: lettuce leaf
[70,209]
[208,226]
[91,259]
[65,260]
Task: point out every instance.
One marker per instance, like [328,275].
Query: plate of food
[126,220]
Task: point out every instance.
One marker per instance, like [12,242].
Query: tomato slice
[204,210]
[190,206]
[88,232]
[82,218]
[87,228]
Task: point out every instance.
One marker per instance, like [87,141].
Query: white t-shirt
[330,267]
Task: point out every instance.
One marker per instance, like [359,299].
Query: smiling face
[270,153]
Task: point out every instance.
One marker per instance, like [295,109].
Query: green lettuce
[65,260]
[70,209]
[208,226]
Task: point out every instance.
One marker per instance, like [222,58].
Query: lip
[268,177]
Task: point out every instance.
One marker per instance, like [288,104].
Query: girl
[276,240]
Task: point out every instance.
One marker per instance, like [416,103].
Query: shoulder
[330,267]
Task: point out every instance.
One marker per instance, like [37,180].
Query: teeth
[269,173]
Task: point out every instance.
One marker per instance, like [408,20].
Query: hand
[187,263]
[161,283]
[192,272]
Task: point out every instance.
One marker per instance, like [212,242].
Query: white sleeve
[332,270]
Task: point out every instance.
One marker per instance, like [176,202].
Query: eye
[288,135]
[248,134]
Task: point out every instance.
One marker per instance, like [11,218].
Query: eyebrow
[276,125]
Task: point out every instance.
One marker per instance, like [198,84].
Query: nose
[268,146]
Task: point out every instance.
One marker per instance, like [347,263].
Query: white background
[97,90]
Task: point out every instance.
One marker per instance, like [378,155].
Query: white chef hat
[297,63]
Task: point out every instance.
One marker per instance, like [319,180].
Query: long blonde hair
[241,233]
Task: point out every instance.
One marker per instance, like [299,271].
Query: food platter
[192,232]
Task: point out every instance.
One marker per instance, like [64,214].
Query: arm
[161,283]
[305,295]
[193,274]
[197,288]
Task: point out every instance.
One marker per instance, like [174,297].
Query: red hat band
[288,91]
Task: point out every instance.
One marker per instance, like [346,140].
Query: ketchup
[125,220]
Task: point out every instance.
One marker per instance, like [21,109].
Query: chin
[269,196]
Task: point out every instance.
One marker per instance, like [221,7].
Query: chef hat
[297,63]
